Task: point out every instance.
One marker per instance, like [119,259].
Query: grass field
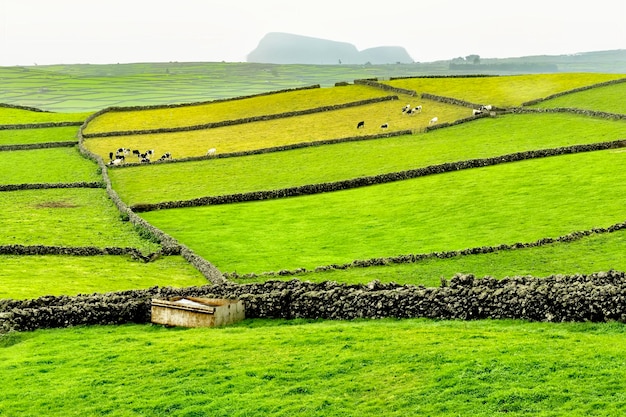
[56,165]
[65,217]
[508,203]
[286,368]
[285,131]
[42,135]
[608,99]
[10,116]
[480,139]
[72,275]
[231,110]
[503,91]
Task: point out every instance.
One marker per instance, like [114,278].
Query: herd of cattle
[119,157]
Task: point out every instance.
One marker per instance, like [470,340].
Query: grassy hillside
[286,368]
[607,99]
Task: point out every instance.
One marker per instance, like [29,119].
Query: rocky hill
[285,48]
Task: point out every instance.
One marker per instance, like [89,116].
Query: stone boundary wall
[450,100]
[45,186]
[39,125]
[43,145]
[269,150]
[169,245]
[413,258]
[378,179]
[240,121]
[597,297]
[17,106]
[374,83]
[445,76]
[33,250]
[588,113]
[575,90]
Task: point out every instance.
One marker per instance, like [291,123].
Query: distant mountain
[285,48]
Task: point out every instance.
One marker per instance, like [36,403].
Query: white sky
[112,31]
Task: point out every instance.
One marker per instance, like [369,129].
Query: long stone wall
[598,297]
[44,186]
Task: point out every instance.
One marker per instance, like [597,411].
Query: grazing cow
[136,152]
[384,126]
[117,161]
[433,120]
[211,152]
[488,107]
[165,156]
[360,124]
[145,160]
[111,156]
[476,112]
[406,108]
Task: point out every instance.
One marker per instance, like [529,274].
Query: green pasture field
[23,277]
[66,217]
[231,110]
[504,91]
[285,131]
[41,135]
[312,368]
[10,116]
[517,202]
[608,99]
[54,165]
[585,256]
[482,138]
[78,88]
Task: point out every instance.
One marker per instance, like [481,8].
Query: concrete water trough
[197,311]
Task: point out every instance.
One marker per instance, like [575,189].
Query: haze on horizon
[46,32]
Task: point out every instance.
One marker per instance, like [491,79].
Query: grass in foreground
[286,368]
[34,276]
[55,165]
[503,91]
[518,202]
[479,139]
[65,217]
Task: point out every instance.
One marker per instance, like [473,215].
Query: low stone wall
[450,100]
[43,145]
[377,179]
[373,82]
[41,250]
[583,112]
[44,186]
[38,125]
[240,121]
[17,106]
[597,297]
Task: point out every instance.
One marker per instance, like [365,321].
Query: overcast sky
[111,31]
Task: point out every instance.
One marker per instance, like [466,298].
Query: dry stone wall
[597,297]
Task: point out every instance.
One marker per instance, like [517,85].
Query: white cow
[433,120]
[211,152]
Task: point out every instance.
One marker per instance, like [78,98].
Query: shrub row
[373,82]
[39,125]
[281,148]
[588,113]
[413,258]
[30,146]
[44,186]
[377,179]
[575,90]
[240,121]
[598,297]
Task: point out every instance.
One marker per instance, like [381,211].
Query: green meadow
[313,368]
[508,203]
[55,165]
[40,135]
[482,138]
[310,367]
[72,275]
[503,91]
[66,217]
